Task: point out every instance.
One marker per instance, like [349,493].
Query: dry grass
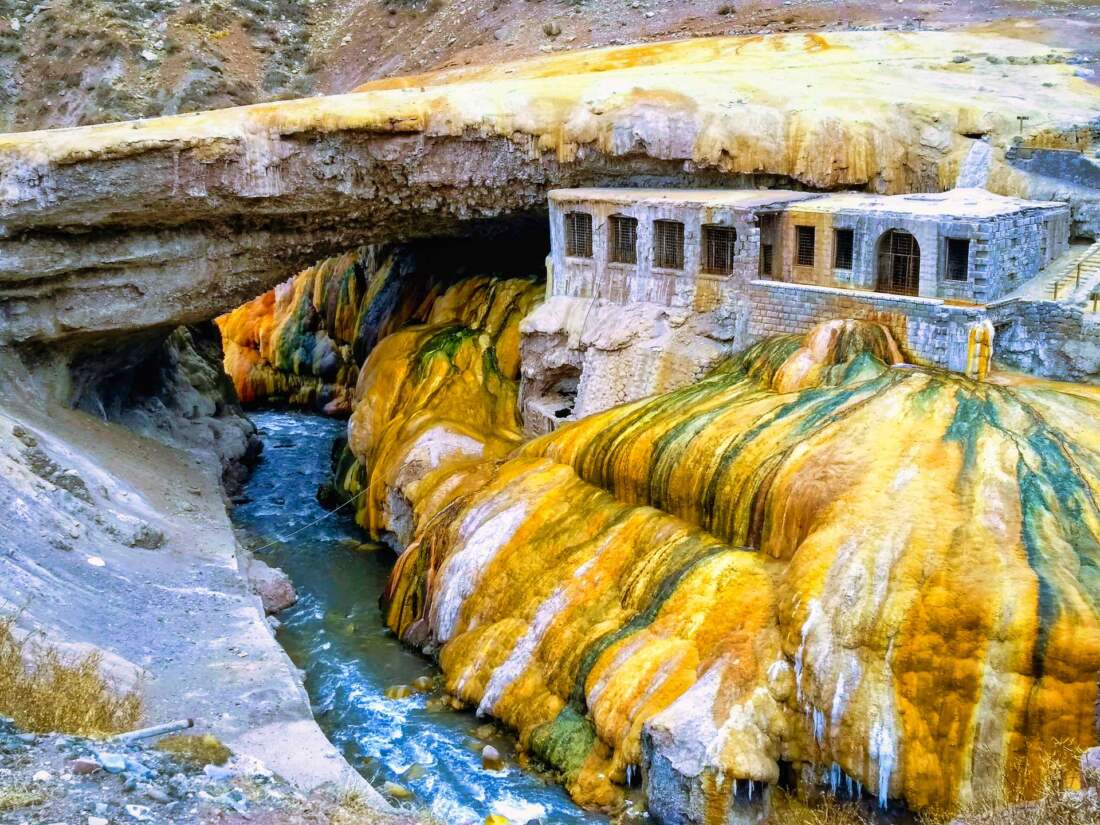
[14,797]
[201,750]
[49,694]
[789,810]
[1043,793]
[353,809]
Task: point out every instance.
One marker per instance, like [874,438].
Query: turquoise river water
[335,634]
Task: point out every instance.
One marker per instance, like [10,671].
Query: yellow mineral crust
[438,392]
[816,554]
[891,109]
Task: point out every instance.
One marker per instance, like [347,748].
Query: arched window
[898,263]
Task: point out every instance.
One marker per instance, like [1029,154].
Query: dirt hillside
[76,62]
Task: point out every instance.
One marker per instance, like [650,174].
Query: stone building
[687,247]
[647,289]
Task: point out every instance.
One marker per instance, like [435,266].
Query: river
[336,635]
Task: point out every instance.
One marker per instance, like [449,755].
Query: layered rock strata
[206,211]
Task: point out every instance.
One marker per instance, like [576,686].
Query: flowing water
[335,634]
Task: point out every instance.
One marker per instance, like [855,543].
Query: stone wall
[1046,338]
[929,329]
[1042,338]
[598,277]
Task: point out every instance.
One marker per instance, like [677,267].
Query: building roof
[729,198]
[959,203]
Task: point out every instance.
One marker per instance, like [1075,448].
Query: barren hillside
[75,62]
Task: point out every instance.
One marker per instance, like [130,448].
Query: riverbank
[378,700]
[113,542]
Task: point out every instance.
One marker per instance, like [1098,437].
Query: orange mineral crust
[818,554]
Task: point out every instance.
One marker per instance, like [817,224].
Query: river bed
[336,636]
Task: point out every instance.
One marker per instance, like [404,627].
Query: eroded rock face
[817,554]
[207,211]
[166,386]
[582,356]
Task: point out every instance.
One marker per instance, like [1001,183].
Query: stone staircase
[1078,281]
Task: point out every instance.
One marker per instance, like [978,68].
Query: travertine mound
[816,555]
[177,219]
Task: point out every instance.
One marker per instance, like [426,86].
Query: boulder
[272,585]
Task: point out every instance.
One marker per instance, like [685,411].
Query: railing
[1080,273]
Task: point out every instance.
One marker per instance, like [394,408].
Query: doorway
[898,263]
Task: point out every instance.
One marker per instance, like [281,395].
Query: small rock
[551,28]
[148,538]
[112,762]
[83,766]
[156,794]
[490,759]
[423,683]
[98,820]
[398,691]
[484,731]
[42,776]
[218,773]
[96,561]
[148,55]
[139,812]
[396,791]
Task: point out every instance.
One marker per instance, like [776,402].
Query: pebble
[112,762]
[42,776]
[218,773]
[156,794]
[490,759]
[83,766]
[139,812]
[98,820]
[395,790]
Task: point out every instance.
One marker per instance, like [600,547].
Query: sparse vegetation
[201,750]
[42,692]
[789,810]
[1043,793]
[14,797]
[354,809]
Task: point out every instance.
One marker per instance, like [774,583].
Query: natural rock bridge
[203,211]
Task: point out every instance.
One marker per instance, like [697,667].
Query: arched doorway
[898,263]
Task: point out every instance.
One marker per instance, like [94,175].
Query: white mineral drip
[974,172]
[462,571]
[883,749]
[521,654]
[814,615]
[819,726]
[260,164]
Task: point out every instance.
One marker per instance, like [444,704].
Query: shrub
[44,693]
